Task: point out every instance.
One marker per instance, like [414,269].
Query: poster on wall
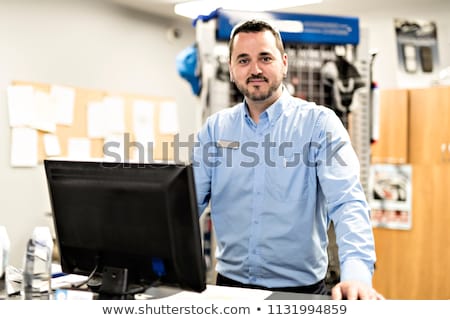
[390,194]
[417,52]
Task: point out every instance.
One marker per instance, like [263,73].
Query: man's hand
[354,290]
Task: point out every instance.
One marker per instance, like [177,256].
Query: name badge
[228,144]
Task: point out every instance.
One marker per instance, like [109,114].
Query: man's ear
[285,63]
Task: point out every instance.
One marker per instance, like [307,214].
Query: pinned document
[20,105]
[45,113]
[168,118]
[24,147]
[79,148]
[63,99]
[51,145]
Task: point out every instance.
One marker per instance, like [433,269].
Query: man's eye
[243,61]
[266,59]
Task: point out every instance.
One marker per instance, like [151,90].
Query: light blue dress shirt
[274,186]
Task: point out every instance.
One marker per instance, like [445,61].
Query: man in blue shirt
[276,170]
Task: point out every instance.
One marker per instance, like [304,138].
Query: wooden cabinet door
[428,125]
[415,264]
[392,145]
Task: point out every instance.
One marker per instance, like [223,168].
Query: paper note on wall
[51,145]
[20,105]
[96,120]
[168,118]
[143,120]
[106,117]
[63,99]
[79,148]
[24,147]
[144,131]
[115,115]
[45,114]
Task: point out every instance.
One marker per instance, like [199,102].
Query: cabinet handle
[448,152]
[444,152]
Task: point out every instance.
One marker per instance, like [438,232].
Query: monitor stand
[114,285]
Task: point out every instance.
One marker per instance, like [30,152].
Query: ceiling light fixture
[192,9]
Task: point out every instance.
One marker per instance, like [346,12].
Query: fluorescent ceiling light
[192,9]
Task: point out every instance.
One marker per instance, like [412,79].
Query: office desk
[276,295]
[212,292]
[228,293]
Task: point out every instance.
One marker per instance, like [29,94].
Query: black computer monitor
[134,224]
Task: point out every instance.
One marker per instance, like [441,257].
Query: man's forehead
[246,38]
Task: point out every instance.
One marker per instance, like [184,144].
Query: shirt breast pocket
[289,178]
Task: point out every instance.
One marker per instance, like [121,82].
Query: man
[276,169]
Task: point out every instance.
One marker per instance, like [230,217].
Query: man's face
[257,66]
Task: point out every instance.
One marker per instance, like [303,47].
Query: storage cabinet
[429,125]
[392,145]
[415,264]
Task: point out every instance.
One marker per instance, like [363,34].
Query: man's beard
[257,94]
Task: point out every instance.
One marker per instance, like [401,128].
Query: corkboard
[162,146]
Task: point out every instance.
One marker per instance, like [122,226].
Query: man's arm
[338,174]
[202,173]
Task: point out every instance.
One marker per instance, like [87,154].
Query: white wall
[83,43]
[382,36]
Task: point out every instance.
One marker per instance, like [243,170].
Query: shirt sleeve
[355,269]
[338,173]
[202,172]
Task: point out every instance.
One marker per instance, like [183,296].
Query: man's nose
[255,69]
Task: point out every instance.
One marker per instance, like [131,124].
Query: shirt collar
[274,111]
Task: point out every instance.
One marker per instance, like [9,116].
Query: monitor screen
[136,224]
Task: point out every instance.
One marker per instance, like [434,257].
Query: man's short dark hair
[255,26]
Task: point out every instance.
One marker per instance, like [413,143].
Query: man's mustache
[257,78]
